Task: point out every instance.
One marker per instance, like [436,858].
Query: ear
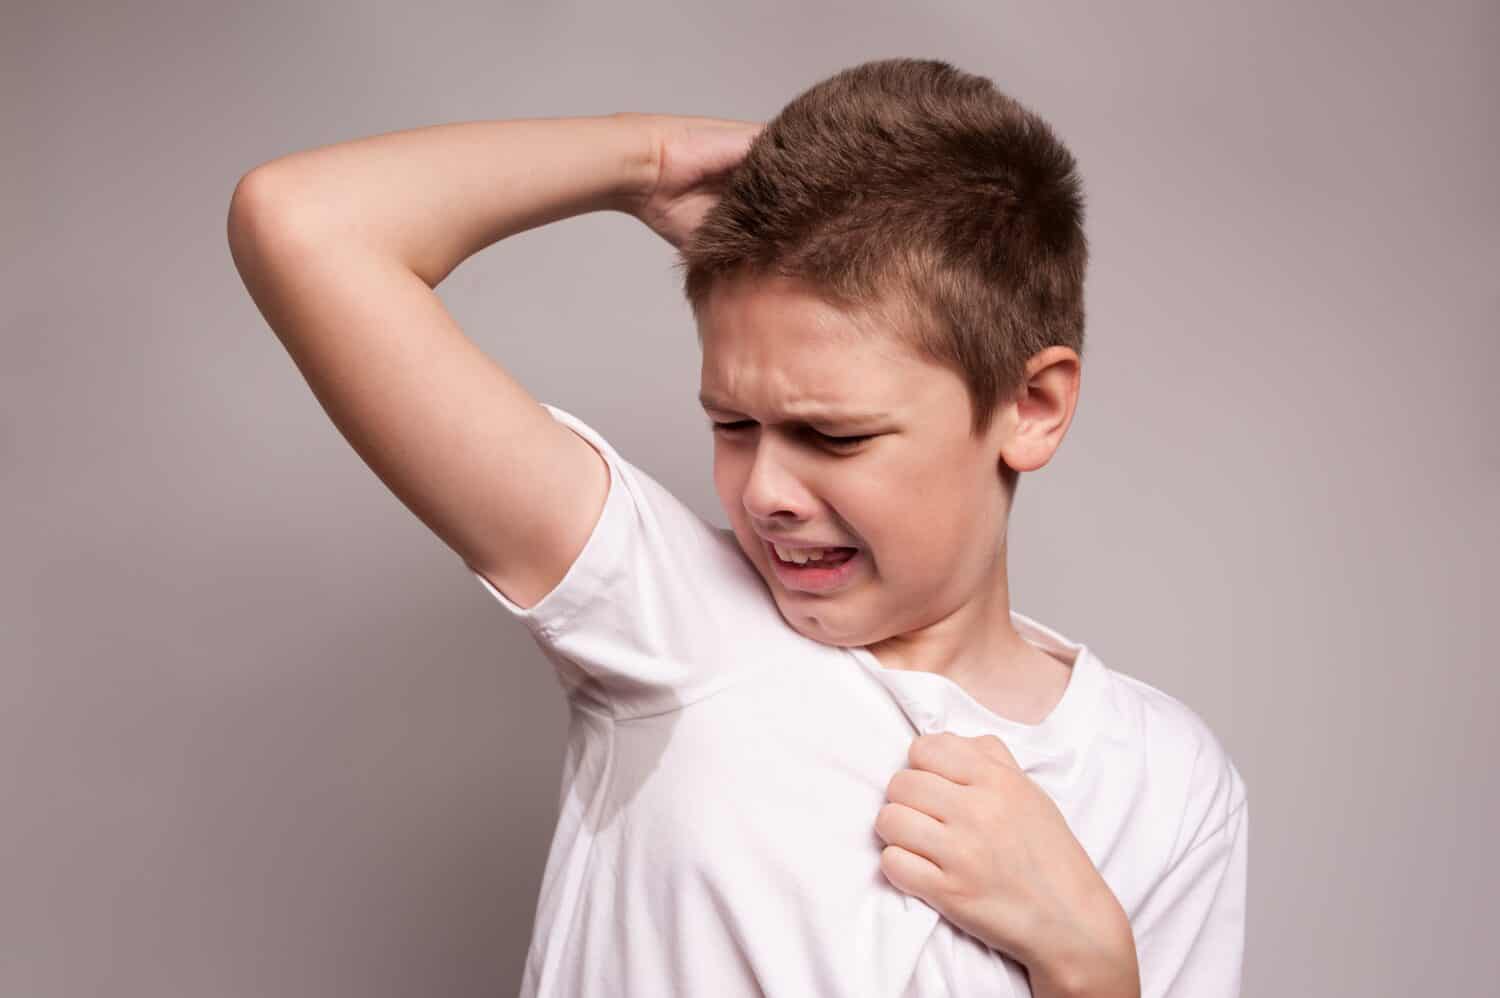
[1038,419]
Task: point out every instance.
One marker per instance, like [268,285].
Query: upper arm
[459,441]
[1190,933]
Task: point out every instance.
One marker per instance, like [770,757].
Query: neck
[978,647]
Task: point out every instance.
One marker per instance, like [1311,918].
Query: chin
[813,632]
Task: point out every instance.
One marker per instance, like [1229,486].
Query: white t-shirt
[723,774]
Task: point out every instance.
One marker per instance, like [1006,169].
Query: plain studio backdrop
[261,733]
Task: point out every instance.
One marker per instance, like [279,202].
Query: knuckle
[957,891]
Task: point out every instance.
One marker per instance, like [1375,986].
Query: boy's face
[923,502]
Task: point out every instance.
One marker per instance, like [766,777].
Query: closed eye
[835,441]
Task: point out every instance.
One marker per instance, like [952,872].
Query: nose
[772,488]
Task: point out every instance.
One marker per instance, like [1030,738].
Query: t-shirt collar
[933,702]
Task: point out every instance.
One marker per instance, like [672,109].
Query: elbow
[251,198]
[263,221]
[262,206]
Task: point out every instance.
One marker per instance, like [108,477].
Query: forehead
[772,344]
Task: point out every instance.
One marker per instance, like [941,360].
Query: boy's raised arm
[340,248]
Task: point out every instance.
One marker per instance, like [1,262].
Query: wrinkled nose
[772,489]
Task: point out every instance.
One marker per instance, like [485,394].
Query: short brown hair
[920,193]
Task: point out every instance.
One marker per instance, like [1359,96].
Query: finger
[903,826]
[995,748]
[927,792]
[909,872]
[948,755]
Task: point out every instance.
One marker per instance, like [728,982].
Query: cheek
[918,523]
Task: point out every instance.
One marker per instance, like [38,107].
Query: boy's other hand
[967,831]
[692,158]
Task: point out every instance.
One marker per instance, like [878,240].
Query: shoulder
[1183,757]
[644,504]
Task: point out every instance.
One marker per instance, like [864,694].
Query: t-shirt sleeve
[658,610]
[1190,932]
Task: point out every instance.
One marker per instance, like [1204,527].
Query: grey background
[262,734]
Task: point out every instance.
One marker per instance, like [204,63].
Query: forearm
[1091,956]
[434,196]
[1102,979]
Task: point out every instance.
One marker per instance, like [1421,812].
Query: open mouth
[827,558]
[832,569]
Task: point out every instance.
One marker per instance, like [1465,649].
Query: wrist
[641,165]
[1092,956]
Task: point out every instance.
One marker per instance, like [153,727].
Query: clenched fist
[968,832]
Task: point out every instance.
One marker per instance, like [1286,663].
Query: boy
[815,752]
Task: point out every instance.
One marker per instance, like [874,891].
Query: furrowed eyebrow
[810,415]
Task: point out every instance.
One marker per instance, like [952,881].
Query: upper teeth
[799,555]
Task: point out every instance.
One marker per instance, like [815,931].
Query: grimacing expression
[829,429]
